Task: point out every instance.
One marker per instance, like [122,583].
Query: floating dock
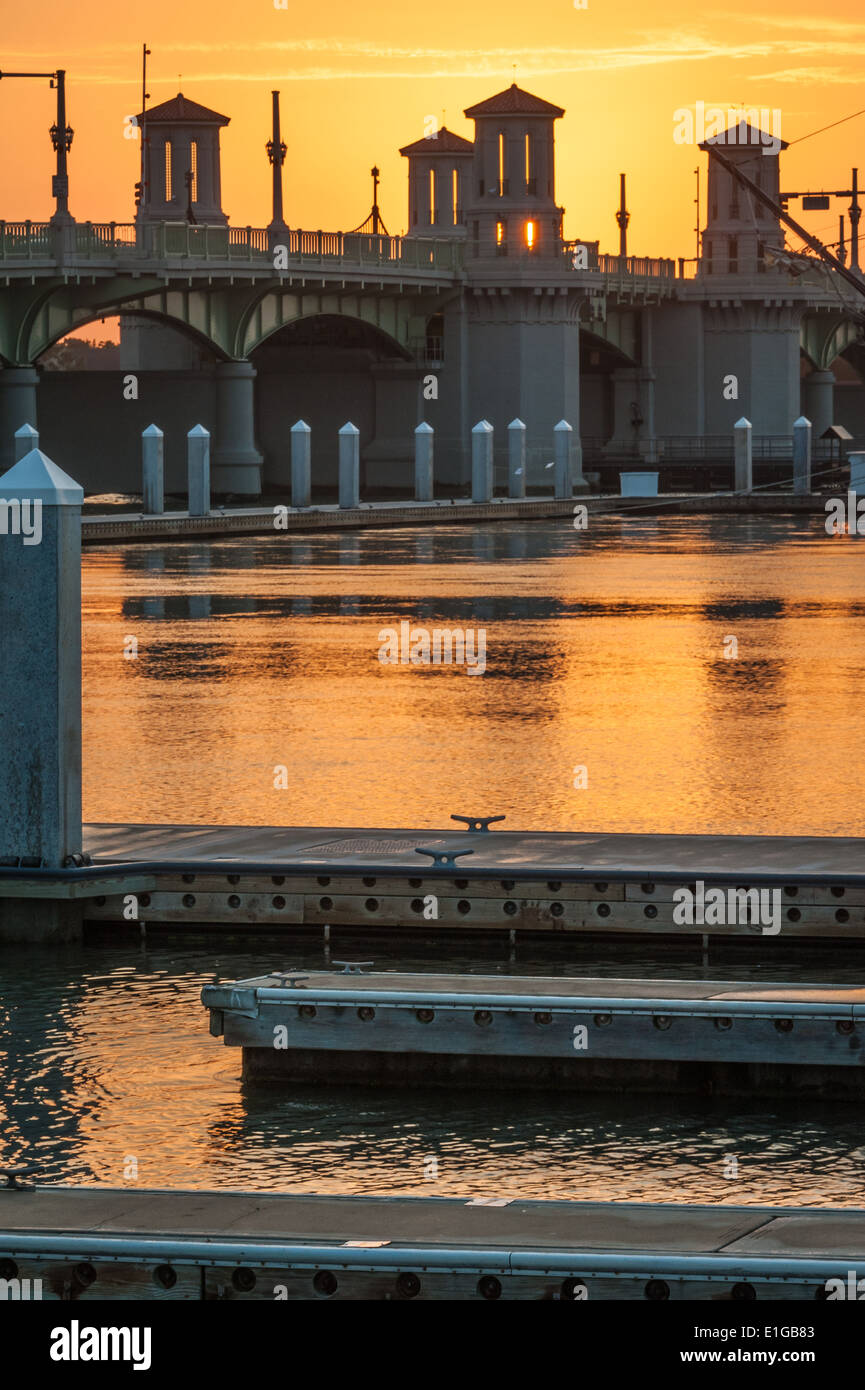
[120,1243]
[574,1034]
[314,880]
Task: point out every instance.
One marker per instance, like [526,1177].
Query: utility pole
[623,217]
[276,154]
[855,214]
[697,201]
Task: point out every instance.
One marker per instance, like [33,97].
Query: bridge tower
[512,209]
[439,179]
[738,227]
[181,139]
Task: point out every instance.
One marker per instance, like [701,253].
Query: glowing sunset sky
[358,81]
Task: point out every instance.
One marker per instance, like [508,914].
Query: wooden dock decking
[125,1243]
[314,878]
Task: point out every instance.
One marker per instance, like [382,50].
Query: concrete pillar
[40,675]
[743,474]
[423,463]
[801,455]
[562,455]
[301,464]
[482,462]
[237,462]
[818,401]
[25,439]
[516,458]
[17,405]
[152,471]
[349,465]
[857,473]
[198,471]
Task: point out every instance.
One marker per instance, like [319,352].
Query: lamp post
[276,154]
[61,140]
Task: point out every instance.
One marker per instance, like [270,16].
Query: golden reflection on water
[605,649]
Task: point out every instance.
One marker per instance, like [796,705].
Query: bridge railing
[189,241]
[629,267]
[24,240]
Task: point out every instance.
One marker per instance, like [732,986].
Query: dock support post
[562,435]
[301,464]
[152,471]
[40,686]
[198,470]
[743,473]
[516,458]
[802,455]
[349,465]
[26,438]
[423,462]
[857,473]
[482,462]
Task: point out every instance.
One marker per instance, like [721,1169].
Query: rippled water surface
[608,649]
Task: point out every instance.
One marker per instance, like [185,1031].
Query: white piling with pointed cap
[40,672]
[482,462]
[424,439]
[856,461]
[301,464]
[349,465]
[564,478]
[516,458]
[743,472]
[198,470]
[152,471]
[802,455]
[26,438]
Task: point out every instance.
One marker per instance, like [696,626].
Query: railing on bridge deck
[625,267]
[189,241]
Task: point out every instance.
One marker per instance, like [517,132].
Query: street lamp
[61,141]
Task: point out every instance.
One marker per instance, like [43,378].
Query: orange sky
[357,82]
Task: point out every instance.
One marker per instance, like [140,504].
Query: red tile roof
[180,109]
[514,102]
[443,142]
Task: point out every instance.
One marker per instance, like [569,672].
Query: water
[605,649]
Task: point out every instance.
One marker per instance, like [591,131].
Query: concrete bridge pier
[237,463]
[17,407]
[818,401]
[40,688]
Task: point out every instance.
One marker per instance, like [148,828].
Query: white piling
[26,438]
[198,470]
[349,465]
[482,462]
[516,458]
[801,455]
[743,473]
[562,435]
[301,464]
[423,462]
[152,471]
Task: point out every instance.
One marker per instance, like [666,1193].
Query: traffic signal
[139,193]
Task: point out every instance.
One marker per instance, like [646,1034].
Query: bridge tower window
[455,197]
[193,169]
[169,193]
[530,235]
[733,255]
[503,182]
[433,210]
[531,182]
[501,238]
